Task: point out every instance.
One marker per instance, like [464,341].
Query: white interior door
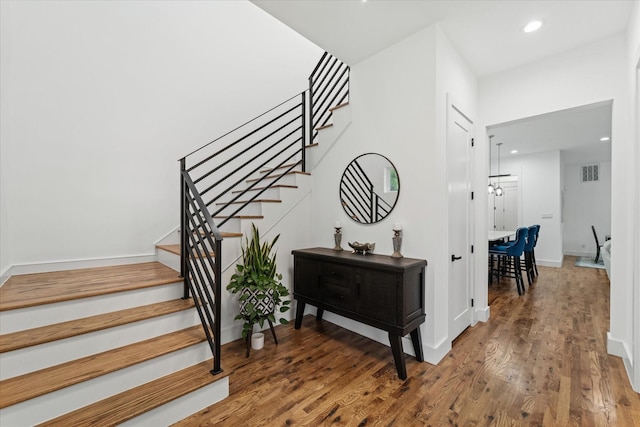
[459,189]
[503,210]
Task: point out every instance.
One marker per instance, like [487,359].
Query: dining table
[500,235]
[497,236]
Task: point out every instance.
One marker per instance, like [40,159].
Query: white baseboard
[482,314]
[4,276]
[618,348]
[436,353]
[578,253]
[549,263]
[46,267]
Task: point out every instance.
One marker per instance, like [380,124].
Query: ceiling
[576,131]
[488,35]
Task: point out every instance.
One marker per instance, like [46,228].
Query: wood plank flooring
[540,360]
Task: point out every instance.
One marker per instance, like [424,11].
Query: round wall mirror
[369,188]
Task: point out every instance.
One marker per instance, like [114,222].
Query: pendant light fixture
[499,191]
[491,189]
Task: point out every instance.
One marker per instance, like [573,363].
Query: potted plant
[259,286]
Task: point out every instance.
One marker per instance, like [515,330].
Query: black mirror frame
[355,205]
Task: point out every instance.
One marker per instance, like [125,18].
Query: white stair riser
[231,226]
[60,402]
[254,208]
[269,193]
[184,406]
[33,317]
[37,357]
[289,179]
[169,259]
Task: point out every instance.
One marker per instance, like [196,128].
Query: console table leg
[319,314]
[416,339]
[299,314]
[398,355]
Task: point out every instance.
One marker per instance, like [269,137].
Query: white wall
[633,289]
[593,73]
[99,101]
[398,102]
[539,195]
[586,204]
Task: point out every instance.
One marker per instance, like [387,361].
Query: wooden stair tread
[29,290]
[313,144]
[263,188]
[265,170]
[328,125]
[28,386]
[344,104]
[279,175]
[252,201]
[230,234]
[240,217]
[124,406]
[175,249]
[49,333]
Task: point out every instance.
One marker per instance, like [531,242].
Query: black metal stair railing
[328,87]
[200,268]
[220,179]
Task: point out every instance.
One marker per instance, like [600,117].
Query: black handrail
[269,146]
[201,272]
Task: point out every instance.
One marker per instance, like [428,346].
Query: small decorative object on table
[338,236]
[397,241]
[362,248]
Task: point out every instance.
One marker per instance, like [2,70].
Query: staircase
[102,346]
[122,345]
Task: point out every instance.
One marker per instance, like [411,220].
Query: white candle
[338,225]
[397,227]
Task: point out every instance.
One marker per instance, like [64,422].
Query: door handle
[455,258]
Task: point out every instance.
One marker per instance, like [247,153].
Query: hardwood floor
[540,360]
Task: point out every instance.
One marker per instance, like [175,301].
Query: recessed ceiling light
[514,151]
[605,138]
[532,26]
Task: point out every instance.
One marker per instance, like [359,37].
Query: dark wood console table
[380,291]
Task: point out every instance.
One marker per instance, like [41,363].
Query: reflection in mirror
[369,188]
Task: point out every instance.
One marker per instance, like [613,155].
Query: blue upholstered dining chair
[533,250]
[528,253]
[509,254]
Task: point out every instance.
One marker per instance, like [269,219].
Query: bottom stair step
[28,386]
[136,401]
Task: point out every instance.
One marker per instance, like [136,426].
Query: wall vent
[590,173]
